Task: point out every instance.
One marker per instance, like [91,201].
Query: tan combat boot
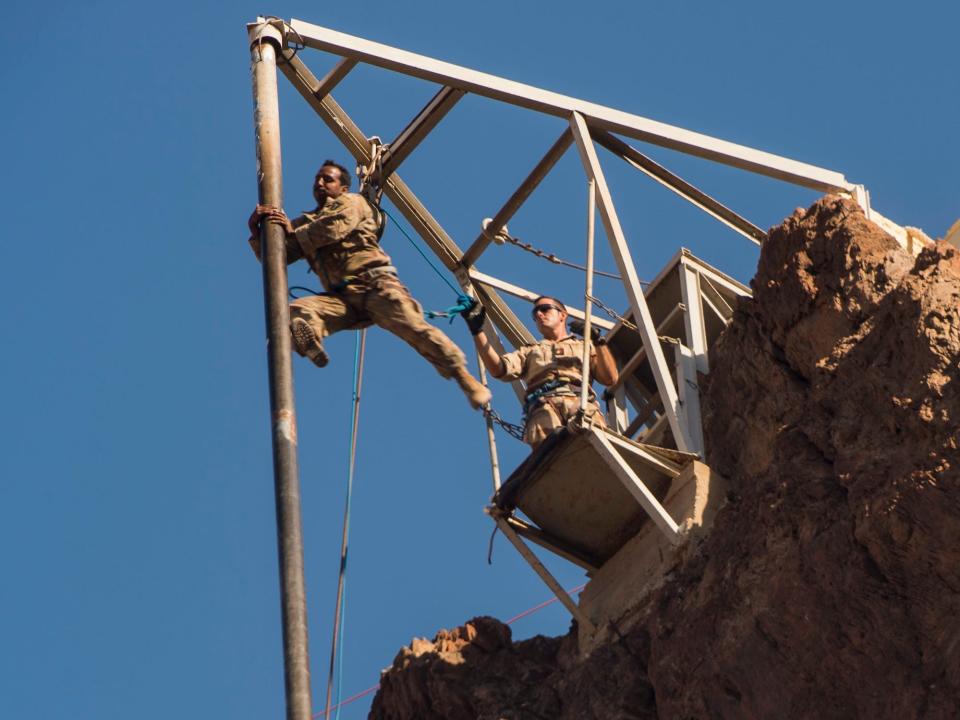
[306,342]
[477,394]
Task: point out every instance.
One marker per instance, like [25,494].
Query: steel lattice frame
[588,124]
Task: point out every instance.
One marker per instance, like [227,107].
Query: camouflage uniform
[547,361]
[339,240]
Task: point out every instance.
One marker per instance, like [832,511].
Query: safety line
[422,253]
[542,605]
[525,613]
[336,649]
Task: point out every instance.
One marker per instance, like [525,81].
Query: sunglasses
[545,308]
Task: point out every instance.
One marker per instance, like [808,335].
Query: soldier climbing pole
[266,41]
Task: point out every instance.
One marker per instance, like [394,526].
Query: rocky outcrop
[829,586]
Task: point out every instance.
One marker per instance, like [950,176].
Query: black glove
[576,327]
[475,316]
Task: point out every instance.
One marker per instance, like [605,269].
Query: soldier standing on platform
[550,369]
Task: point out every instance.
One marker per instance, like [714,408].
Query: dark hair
[344,173]
[551,298]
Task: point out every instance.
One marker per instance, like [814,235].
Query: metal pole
[266,40]
[491,437]
[588,294]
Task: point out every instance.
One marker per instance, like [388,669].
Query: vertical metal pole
[588,294]
[266,40]
[491,437]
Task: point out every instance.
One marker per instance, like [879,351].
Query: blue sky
[136,514]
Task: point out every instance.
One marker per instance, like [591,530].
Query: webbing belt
[365,275]
[549,388]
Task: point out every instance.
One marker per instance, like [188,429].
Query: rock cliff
[829,586]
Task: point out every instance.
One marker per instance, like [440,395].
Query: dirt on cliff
[829,586]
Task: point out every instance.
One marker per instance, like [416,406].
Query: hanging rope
[464,302]
[301,288]
[520,616]
[336,652]
[422,253]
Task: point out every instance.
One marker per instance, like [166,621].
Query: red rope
[542,605]
[525,613]
[349,700]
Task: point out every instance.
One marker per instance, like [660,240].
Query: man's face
[327,184]
[549,316]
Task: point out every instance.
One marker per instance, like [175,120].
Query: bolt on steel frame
[588,124]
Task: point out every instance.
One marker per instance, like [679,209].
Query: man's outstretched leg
[477,395]
[390,305]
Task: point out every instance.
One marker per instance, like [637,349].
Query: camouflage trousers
[383,301]
[553,412]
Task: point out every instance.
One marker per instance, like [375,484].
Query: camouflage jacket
[541,362]
[339,239]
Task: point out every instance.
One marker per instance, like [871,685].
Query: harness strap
[365,275]
[546,389]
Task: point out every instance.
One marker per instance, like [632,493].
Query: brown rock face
[476,672]
[830,584]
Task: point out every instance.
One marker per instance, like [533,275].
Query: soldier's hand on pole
[475,317]
[278,217]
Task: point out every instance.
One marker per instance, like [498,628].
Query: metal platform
[690,303]
[579,504]
[589,494]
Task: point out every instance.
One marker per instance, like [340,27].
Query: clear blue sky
[136,495]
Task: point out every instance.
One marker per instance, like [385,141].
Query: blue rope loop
[422,253]
[464,304]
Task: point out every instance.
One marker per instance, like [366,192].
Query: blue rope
[351,466]
[464,303]
[422,254]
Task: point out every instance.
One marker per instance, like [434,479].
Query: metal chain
[515,431]
[550,256]
[626,323]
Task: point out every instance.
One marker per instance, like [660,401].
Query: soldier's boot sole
[477,394]
[307,343]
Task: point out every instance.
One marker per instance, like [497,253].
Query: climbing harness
[365,276]
[546,389]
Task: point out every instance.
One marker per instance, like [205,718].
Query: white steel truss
[589,123]
[671,403]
